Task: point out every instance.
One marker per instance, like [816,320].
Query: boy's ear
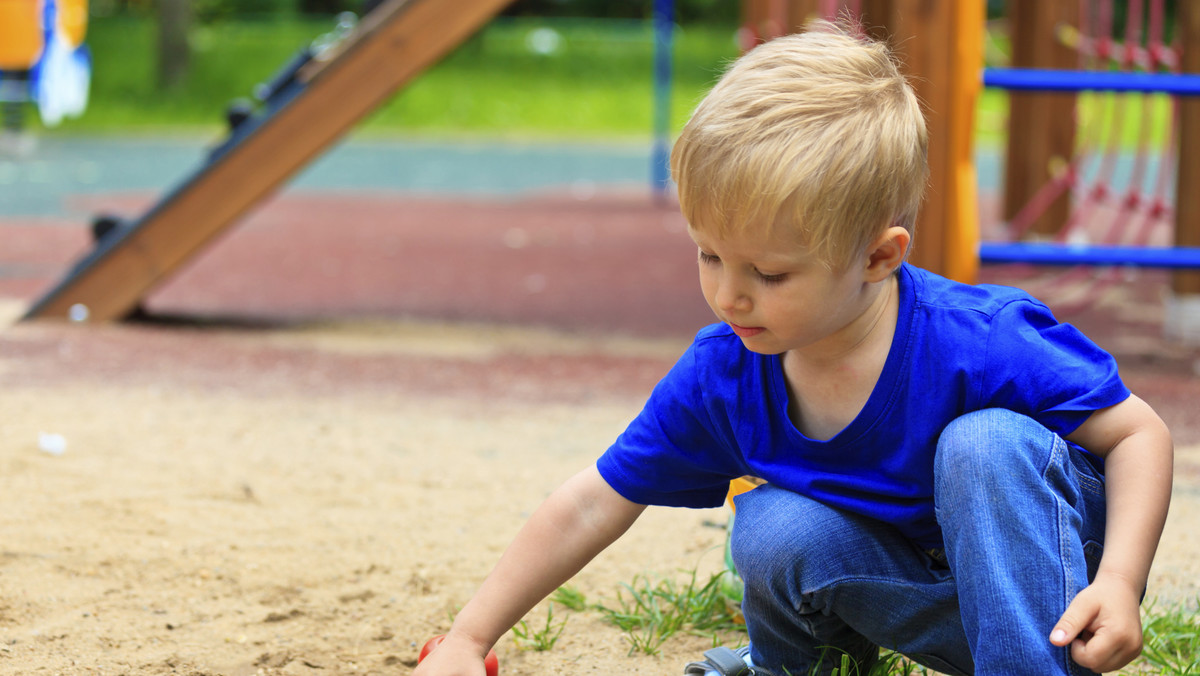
[887,252]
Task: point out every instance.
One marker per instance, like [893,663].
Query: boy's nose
[731,297]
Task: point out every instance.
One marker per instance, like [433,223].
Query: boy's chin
[761,347]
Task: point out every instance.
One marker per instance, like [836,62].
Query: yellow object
[72,21]
[739,486]
[21,34]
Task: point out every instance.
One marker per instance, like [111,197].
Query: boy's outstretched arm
[1103,623]
[573,525]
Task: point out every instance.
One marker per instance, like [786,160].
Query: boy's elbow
[1131,423]
[598,506]
[1153,428]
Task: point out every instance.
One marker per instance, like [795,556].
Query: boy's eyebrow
[765,259]
[695,235]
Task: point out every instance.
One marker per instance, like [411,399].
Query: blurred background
[544,68]
[550,95]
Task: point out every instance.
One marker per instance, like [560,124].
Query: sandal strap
[723,661]
[727,662]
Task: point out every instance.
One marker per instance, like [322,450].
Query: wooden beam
[945,74]
[1187,198]
[391,46]
[1041,126]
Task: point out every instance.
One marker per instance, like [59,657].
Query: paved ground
[558,236]
[64,167]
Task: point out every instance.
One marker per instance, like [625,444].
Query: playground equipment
[1065,185]
[1060,49]
[1139,72]
[322,93]
[308,106]
[43,59]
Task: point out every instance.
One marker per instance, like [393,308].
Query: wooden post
[763,20]
[1041,126]
[1187,207]
[800,12]
[941,45]
[1182,317]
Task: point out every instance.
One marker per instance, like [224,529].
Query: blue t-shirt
[721,412]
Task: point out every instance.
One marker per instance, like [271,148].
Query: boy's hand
[454,656]
[1102,624]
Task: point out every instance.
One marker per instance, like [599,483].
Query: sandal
[725,662]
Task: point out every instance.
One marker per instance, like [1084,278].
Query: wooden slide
[308,109]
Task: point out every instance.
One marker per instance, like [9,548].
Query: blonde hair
[818,132]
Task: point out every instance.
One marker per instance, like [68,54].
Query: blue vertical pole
[664,29]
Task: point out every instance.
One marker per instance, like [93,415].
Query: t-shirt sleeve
[671,454]
[1047,370]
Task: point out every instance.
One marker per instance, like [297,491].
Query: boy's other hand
[1103,625]
[453,657]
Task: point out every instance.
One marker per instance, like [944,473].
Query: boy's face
[775,295]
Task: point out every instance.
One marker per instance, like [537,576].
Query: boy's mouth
[745,331]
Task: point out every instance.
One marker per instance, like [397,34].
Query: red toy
[491,663]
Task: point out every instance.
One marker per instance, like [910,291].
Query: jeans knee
[751,543]
[978,446]
[772,531]
[784,541]
[986,457]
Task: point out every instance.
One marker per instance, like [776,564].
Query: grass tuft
[570,598]
[651,612]
[541,639]
[1172,641]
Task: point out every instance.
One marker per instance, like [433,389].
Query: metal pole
[1042,80]
[664,29]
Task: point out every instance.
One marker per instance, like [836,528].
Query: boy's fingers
[1062,634]
[1111,648]
[1082,655]
[1101,654]
[1098,648]
[1078,616]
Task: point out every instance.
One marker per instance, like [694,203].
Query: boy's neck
[872,327]
[828,388]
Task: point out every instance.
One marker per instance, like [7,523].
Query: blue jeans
[1022,513]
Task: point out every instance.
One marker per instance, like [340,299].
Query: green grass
[1172,641]
[597,83]
[541,638]
[651,611]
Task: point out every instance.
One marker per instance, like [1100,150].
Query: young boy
[943,461]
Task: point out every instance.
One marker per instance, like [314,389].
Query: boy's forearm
[1138,491]
[1139,457]
[575,524]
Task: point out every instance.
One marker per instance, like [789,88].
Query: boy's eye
[772,279]
[708,258]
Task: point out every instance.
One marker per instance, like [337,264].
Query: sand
[320,499]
